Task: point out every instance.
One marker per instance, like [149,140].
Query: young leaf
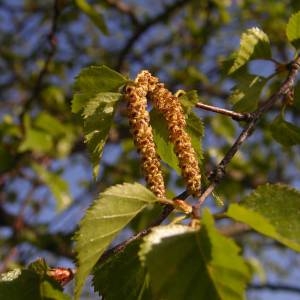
[109,214]
[58,186]
[95,17]
[122,276]
[273,210]
[293,30]
[98,116]
[196,264]
[94,80]
[254,44]
[28,284]
[285,133]
[246,94]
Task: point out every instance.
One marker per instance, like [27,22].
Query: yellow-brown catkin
[135,94]
[169,106]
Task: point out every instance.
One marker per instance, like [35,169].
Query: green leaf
[285,133]
[188,100]
[98,116]
[196,264]
[195,129]
[35,140]
[58,186]
[246,94]
[273,210]
[109,214]
[27,284]
[254,44]
[165,148]
[50,124]
[7,161]
[293,30]
[122,276]
[94,80]
[94,16]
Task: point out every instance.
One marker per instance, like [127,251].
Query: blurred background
[45,175]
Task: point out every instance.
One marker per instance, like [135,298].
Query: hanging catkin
[169,106]
[135,94]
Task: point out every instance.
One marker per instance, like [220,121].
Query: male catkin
[135,94]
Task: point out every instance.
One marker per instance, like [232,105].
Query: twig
[53,45]
[234,115]
[144,27]
[123,8]
[219,171]
[275,287]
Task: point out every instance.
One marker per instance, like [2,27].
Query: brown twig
[234,115]
[52,42]
[275,287]
[284,89]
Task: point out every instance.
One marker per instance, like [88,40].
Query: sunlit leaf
[98,116]
[50,124]
[94,80]
[103,221]
[273,210]
[213,264]
[293,30]
[122,276]
[254,44]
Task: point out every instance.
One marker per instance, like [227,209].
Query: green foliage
[94,16]
[293,30]
[109,214]
[97,94]
[122,276]
[246,94]
[285,133]
[213,264]
[31,283]
[58,187]
[254,44]
[273,210]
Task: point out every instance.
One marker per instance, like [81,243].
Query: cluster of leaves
[197,262]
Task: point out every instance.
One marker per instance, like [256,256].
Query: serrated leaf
[113,283]
[108,215]
[94,80]
[246,94]
[285,133]
[58,187]
[273,210]
[197,264]
[254,44]
[94,16]
[26,284]
[98,116]
[188,100]
[293,30]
